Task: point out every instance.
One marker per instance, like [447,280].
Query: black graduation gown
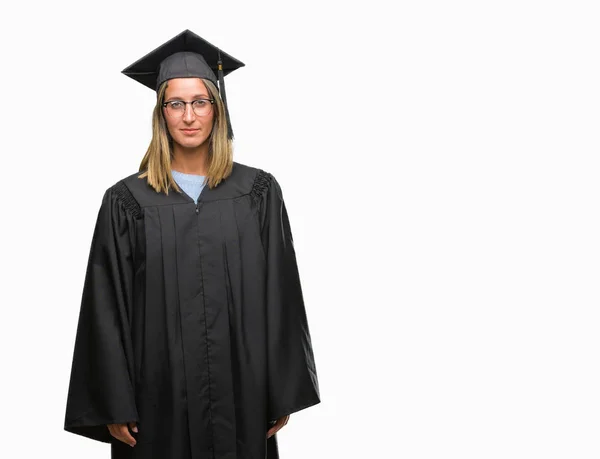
[192,322]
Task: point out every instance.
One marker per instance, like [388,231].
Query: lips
[190,131]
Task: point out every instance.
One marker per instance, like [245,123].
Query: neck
[190,160]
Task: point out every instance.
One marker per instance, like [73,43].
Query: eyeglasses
[201,107]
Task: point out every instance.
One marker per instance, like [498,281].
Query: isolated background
[439,161]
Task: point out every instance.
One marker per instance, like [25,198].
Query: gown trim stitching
[125,197]
[262,181]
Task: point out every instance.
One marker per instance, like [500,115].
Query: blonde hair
[156,163]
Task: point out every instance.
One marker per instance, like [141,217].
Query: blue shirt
[190,183]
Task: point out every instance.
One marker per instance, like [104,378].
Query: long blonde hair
[156,163]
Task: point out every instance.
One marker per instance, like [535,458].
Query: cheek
[171,125]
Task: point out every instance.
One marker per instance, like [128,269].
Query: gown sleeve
[292,376]
[100,388]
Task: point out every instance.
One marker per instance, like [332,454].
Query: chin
[191,143]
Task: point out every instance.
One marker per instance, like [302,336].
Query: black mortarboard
[185,55]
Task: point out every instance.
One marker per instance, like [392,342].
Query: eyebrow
[197,96]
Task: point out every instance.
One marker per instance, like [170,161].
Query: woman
[192,337]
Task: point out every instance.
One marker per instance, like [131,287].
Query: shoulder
[243,180]
[247,174]
[119,192]
[131,180]
[123,185]
[257,180]
[264,185]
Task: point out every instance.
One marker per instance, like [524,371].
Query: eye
[176,104]
[200,103]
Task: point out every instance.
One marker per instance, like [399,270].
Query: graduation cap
[185,55]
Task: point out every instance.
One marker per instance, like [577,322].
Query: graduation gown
[192,322]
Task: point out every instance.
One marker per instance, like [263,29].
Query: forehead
[184,87]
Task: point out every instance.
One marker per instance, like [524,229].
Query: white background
[440,166]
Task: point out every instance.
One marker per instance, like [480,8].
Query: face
[188,130]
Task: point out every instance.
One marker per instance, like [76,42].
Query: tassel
[224,96]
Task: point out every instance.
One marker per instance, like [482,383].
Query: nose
[189,114]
